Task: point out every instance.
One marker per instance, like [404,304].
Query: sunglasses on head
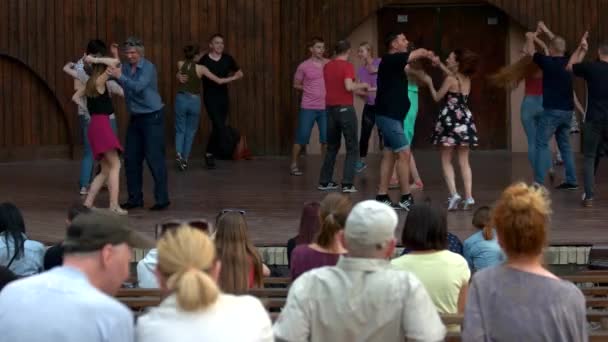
[134,43]
[240,211]
[200,224]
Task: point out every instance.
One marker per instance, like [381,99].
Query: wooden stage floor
[273,199]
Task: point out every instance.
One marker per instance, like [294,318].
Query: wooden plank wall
[267,37]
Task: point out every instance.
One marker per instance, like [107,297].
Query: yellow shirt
[442,273]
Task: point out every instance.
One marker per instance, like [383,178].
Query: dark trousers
[341,120]
[368,120]
[595,136]
[146,140]
[217,109]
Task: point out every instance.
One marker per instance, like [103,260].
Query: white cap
[370,223]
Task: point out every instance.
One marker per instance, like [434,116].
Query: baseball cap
[91,231]
[370,223]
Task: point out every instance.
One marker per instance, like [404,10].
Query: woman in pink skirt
[103,141]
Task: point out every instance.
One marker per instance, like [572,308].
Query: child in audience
[481,249]
[327,247]
[6,276]
[194,308]
[19,254]
[53,256]
[309,227]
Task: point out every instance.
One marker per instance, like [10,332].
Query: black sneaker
[328,186]
[385,199]
[406,202]
[184,165]
[567,186]
[210,161]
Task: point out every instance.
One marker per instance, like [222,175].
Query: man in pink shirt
[309,79]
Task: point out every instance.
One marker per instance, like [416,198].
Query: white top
[230,318]
[358,300]
[146,278]
[61,305]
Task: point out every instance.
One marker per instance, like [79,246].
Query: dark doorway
[480,28]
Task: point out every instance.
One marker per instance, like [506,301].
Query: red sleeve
[349,71]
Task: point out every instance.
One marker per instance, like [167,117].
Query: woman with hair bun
[455,128]
[521,300]
[327,247]
[194,308]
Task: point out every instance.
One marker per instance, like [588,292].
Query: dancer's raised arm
[579,55]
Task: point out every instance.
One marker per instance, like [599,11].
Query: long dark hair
[309,223]
[12,227]
[425,228]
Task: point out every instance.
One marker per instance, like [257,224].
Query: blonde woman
[194,308]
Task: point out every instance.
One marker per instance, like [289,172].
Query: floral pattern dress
[455,125]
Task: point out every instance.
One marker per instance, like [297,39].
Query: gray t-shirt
[505,304]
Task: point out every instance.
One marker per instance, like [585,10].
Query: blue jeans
[306,120]
[531,110]
[86,164]
[553,122]
[146,140]
[187,116]
[392,133]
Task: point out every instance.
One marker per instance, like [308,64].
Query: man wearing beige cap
[362,298]
[73,303]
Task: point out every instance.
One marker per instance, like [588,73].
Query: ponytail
[184,256]
[334,211]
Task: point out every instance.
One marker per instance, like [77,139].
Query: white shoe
[468,204]
[119,211]
[84,191]
[453,202]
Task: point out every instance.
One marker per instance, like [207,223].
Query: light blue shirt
[32,260]
[141,87]
[61,305]
[481,253]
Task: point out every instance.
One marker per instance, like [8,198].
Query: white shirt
[358,300]
[230,318]
[146,278]
[61,305]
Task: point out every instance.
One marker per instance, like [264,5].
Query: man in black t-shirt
[596,120]
[392,105]
[215,96]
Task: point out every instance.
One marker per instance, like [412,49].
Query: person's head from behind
[557,46]
[334,210]
[99,244]
[520,217]
[463,61]
[481,220]
[134,50]
[342,48]
[75,210]
[190,51]
[425,229]
[216,43]
[602,51]
[6,276]
[370,230]
[396,42]
[96,47]
[97,70]
[12,227]
[309,223]
[316,46]
[365,51]
[187,266]
[237,253]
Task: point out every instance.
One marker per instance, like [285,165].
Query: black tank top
[100,105]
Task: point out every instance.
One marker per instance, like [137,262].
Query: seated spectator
[195,309]
[521,300]
[242,267]
[6,276]
[481,249]
[445,274]
[454,245]
[53,256]
[362,298]
[19,254]
[309,227]
[73,302]
[327,247]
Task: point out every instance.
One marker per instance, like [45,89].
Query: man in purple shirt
[309,79]
[367,73]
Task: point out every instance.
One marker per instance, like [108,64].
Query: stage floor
[273,199]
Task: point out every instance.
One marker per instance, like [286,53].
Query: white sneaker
[453,202]
[349,189]
[84,191]
[468,204]
[119,211]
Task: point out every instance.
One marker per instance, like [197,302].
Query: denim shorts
[392,133]
[306,120]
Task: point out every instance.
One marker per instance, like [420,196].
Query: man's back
[61,305]
[358,300]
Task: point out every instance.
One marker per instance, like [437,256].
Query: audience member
[53,256]
[362,298]
[195,309]
[481,249]
[327,246]
[243,268]
[521,300]
[6,276]
[73,302]
[18,253]
[309,227]
[445,274]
